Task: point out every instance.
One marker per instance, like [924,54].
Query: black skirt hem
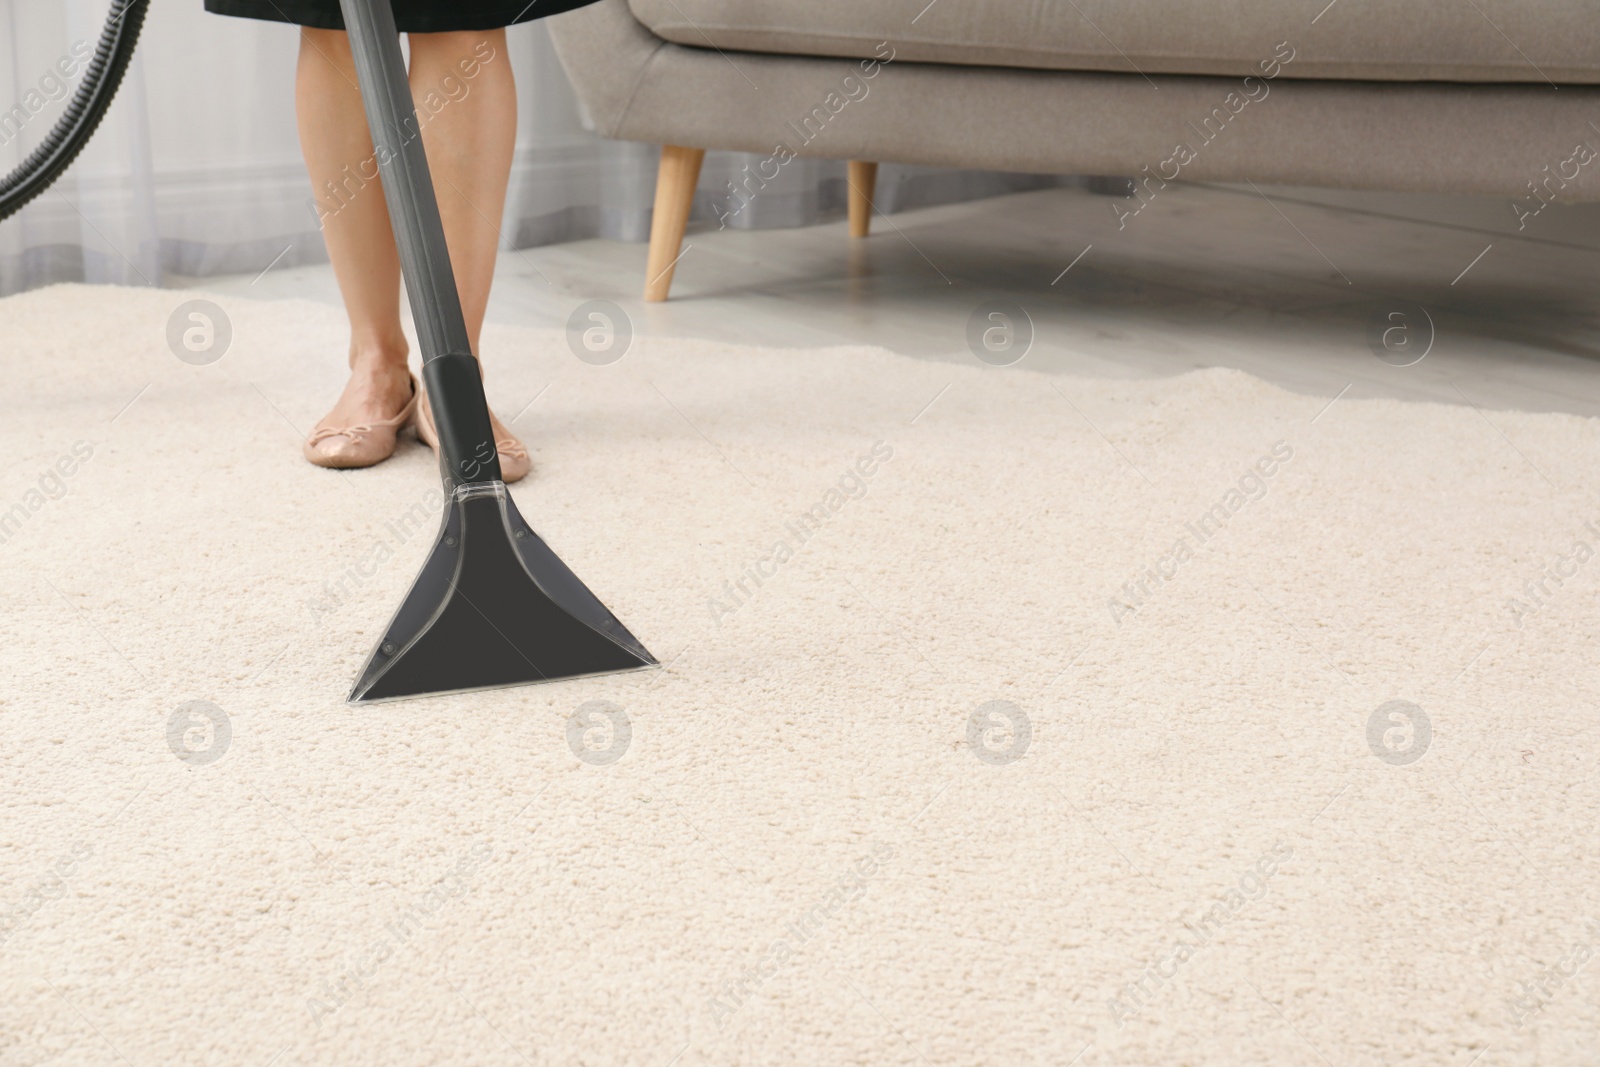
[410,16]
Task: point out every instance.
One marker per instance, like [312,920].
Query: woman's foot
[377,403]
[514,460]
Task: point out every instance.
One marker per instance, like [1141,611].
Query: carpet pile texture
[1005,718]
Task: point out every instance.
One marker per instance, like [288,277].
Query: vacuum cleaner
[493,606]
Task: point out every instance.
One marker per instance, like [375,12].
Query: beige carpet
[1195,844]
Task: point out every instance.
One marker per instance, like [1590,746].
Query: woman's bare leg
[467,103]
[355,226]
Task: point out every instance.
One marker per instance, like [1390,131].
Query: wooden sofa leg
[862,178]
[675,182]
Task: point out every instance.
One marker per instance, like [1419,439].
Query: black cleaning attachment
[493,606]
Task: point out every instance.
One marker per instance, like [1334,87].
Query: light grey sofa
[1497,97]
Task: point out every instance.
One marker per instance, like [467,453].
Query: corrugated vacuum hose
[87,107]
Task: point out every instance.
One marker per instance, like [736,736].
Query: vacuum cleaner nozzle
[492,607]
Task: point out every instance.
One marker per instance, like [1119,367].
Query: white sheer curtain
[97,223]
[197,171]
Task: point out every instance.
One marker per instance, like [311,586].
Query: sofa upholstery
[1491,138]
[1224,90]
[1379,40]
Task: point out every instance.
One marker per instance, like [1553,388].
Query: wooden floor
[1291,285]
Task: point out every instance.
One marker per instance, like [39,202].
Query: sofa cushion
[1422,40]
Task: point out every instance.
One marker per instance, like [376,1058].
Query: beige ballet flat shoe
[362,445]
[514,460]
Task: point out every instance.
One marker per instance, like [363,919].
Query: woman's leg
[355,226]
[467,103]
